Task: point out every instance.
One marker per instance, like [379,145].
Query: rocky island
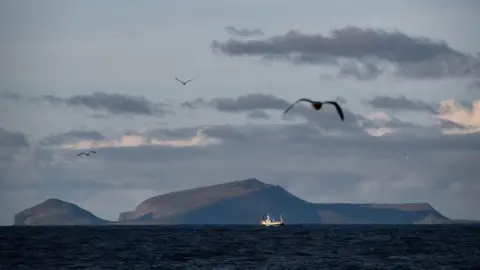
[57,212]
[237,202]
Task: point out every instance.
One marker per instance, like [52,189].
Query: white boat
[271,222]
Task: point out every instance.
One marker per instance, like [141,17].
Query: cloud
[12,139]
[400,103]
[371,158]
[193,104]
[327,119]
[475,85]
[99,101]
[467,120]
[72,137]
[10,95]
[249,102]
[16,163]
[243,32]
[246,103]
[161,137]
[11,144]
[454,117]
[366,71]
[117,104]
[381,124]
[258,114]
[310,163]
[414,57]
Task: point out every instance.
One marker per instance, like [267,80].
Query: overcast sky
[100,75]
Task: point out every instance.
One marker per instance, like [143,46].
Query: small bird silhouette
[183,82]
[87,153]
[317,105]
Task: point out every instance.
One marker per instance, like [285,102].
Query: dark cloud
[351,42]
[223,132]
[241,144]
[243,32]
[325,182]
[249,102]
[301,59]
[451,65]
[116,104]
[228,133]
[193,104]
[447,124]
[110,103]
[475,85]
[170,134]
[73,137]
[391,123]
[11,144]
[367,71]
[306,135]
[475,67]
[258,114]
[400,103]
[51,99]
[327,118]
[9,95]
[416,57]
[188,104]
[11,138]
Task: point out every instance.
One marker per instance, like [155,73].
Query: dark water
[241,247]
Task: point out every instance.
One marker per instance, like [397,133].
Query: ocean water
[241,247]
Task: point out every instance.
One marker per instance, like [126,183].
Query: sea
[241,247]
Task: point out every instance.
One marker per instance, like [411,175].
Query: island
[242,202]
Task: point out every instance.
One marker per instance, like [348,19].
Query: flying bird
[87,153]
[317,105]
[183,82]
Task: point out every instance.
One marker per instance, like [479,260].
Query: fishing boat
[268,222]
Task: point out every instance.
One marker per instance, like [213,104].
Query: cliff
[246,201]
[408,213]
[56,212]
[174,204]
[237,202]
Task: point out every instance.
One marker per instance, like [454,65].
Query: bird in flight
[317,105]
[183,82]
[86,153]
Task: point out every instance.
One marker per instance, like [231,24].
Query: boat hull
[267,222]
[273,224]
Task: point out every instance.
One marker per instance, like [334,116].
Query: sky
[99,75]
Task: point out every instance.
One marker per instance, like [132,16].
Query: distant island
[238,202]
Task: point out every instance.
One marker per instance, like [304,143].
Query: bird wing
[339,109]
[189,81]
[179,80]
[296,102]
[93,152]
[81,154]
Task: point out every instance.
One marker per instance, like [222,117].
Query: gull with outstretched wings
[317,105]
[86,153]
[183,82]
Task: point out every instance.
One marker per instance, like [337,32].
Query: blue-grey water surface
[241,247]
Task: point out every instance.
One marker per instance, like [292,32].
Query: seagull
[317,105]
[183,82]
[86,154]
